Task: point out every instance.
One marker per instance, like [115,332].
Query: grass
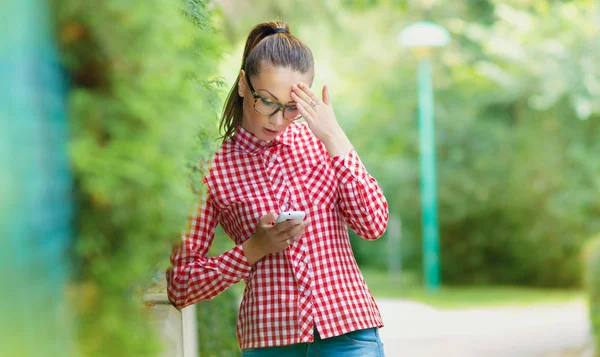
[406,286]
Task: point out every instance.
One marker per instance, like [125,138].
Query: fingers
[268,219]
[307,114]
[286,226]
[290,229]
[305,94]
[326,97]
[297,231]
[302,91]
[295,234]
[293,240]
[281,235]
[303,106]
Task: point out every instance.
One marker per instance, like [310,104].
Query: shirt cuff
[348,167]
[234,265]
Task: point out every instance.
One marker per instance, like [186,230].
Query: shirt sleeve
[194,276]
[361,199]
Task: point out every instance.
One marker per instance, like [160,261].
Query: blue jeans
[361,343]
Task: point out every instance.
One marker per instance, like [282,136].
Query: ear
[242,83]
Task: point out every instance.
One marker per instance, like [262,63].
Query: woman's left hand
[321,119]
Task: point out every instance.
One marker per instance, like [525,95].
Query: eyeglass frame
[279,105]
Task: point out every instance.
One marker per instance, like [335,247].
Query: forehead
[279,80]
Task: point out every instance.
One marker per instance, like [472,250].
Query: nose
[277,118]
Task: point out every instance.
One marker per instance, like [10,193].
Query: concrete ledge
[157,298]
[177,328]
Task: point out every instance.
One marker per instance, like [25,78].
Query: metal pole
[394,232]
[428,178]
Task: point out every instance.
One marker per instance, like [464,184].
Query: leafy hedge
[217,317]
[142,114]
[591,261]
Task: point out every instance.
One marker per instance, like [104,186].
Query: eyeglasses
[269,107]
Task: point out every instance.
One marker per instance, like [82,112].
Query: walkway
[414,329]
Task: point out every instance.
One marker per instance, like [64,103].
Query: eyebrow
[266,90]
[273,95]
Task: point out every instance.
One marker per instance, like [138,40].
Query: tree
[142,115]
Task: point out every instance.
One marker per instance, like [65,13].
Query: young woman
[304,295]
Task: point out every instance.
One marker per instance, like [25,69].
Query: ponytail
[269,43]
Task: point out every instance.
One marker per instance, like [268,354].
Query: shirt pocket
[319,184]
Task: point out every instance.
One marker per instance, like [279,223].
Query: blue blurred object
[35,185]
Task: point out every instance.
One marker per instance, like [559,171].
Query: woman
[304,295]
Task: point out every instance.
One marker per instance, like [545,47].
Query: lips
[270,132]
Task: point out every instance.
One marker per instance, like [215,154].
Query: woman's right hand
[271,238]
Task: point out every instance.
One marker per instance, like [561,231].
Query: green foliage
[143,114]
[217,323]
[517,117]
[591,268]
[217,317]
[517,187]
[407,286]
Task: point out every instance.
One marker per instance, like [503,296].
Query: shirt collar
[250,143]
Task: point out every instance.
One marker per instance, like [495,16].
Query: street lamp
[421,38]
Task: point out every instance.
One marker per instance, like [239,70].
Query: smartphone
[293,215]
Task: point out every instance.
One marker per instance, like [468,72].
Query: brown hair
[267,45]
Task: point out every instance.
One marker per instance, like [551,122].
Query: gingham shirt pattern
[313,283]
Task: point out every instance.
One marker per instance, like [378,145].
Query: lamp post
[421,38]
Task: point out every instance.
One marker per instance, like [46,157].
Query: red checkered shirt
[315,282]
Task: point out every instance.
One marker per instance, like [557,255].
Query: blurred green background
[517,115]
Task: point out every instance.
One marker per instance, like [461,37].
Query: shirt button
[285,206]
[272,158]
[301,264]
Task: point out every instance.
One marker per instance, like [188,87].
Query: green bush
[516,152]
[217,317]
[142,114]
[591,269]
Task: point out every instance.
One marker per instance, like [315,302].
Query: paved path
[417,330]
